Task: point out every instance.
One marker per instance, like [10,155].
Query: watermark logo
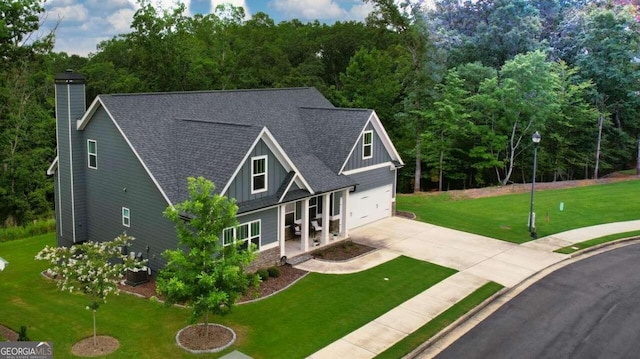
[26,350]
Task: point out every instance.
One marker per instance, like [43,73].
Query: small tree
[202,272]
[94,268]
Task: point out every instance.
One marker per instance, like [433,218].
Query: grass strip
[440,322]
[595,241]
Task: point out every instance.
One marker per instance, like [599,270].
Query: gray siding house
[302,171]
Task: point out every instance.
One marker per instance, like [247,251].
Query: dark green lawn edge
[596,241]
[440,322]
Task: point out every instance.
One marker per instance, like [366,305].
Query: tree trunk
[418,172]
[595,170]
[638,159]
[95,336]
[206,324]
[441,171]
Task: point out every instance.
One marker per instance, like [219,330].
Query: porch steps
[299,259]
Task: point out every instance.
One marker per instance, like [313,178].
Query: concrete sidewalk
[478,259]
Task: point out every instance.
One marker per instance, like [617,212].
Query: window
[243,234]
[92,154]
[332,205]
[315,207]
[367,145]
[289,214]
[126,217]
[258,174]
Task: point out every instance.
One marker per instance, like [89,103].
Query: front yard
[293,324]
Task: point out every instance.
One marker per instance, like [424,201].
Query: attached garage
[369,206]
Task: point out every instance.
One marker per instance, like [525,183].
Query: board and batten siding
[379,155]
[268,224]
[240,187]
[374,178]
[70,106]
[121,181]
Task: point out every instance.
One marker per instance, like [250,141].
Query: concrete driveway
[491,259]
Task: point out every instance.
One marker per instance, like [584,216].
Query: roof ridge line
[206,91]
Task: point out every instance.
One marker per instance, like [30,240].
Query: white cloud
[360,12]
[76,12]
[121,20]
[108,4]
[58,3]
[309,9]
[240,3]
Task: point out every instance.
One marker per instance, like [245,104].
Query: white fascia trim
[288,188]
[281,156]
[53,168]
[384,137]
[95,105]
[83,123]
[368,168]
[278,151]
[353,148]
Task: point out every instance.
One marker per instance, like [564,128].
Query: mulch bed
[87,348]
[288,275]
[194,337]
[341,251]
[8,333]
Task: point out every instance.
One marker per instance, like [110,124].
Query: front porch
[312,222]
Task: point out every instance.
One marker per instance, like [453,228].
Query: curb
[458,322]
[523,285]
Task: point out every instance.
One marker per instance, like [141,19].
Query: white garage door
[368,206]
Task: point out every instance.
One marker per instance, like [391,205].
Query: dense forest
[460,87]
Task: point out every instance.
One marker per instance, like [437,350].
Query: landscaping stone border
[212,350]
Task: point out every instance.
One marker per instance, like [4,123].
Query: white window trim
[365,145]
[89,154]
[250,235]
[266,172]
[127,217]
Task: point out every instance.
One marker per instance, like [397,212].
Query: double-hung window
[258,174]
[243,234]
[126,217]
[92,154]
[367,145]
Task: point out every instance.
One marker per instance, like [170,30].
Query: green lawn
[505,217]
[313,313]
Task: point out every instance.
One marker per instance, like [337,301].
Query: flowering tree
[202,272]
[94,268]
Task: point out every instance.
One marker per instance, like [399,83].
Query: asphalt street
[589,309]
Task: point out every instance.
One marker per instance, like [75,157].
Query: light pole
[536,140]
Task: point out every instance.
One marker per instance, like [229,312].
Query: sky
[82,24]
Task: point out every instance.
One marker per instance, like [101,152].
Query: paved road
[590,309]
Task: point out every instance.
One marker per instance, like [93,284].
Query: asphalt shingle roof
[184,134]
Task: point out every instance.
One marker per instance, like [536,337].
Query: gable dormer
[264,172]
[372,149]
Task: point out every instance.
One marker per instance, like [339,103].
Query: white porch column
[344,214]
[281,230]
[304,226]
[326,212]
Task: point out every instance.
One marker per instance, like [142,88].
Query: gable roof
[209,133]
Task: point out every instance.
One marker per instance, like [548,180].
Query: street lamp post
[532,226]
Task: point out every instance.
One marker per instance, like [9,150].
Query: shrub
[274,272]
[30,230]
[263,274]
[22,334]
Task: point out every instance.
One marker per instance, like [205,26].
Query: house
[288,157]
